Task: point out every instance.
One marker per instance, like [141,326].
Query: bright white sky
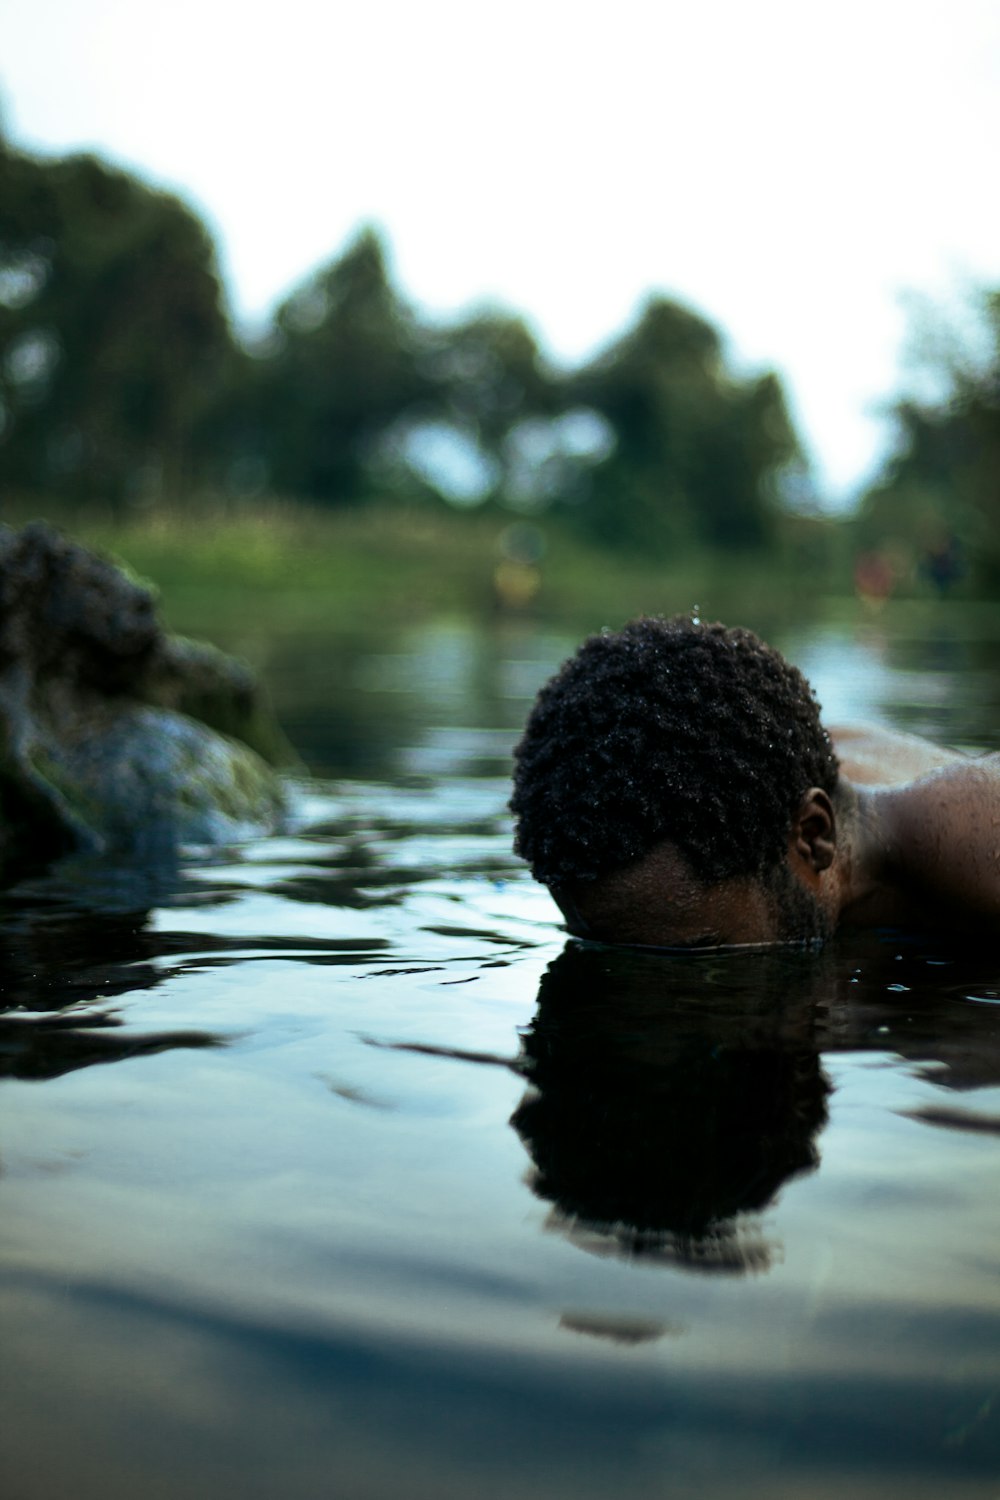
[787,168]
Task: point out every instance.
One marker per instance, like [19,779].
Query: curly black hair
[667,729]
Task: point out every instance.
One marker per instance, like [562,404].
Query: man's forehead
[660,901]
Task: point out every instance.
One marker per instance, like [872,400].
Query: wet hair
[667,729]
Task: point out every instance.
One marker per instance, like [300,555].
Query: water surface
[328,1166]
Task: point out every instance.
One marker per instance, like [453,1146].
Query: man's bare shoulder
[873,755]
[939,837]
[924,832]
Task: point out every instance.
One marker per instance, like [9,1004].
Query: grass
[284,568]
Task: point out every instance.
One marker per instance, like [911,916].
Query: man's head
[674,785]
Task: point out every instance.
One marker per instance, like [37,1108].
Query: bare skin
[912,836]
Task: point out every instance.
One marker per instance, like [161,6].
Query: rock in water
[113,735]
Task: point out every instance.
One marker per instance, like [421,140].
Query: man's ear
[814,830]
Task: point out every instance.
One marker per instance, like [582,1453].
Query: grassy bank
[281,568]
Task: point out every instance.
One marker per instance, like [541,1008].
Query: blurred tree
[341,366]
[938,498]
[698,455]
[351,396]
[490,375]
[486,377]
[119,379]
[113,335]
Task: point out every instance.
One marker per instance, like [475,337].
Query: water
[327,1167]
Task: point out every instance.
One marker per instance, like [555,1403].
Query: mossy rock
[113,735]
[152,781]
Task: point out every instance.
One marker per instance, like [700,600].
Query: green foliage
[113,336]
[273,570]
[490,376]
[698,454]
[119,381]
[938,500]
[342,368]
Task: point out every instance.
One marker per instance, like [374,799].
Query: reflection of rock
[48,1047]
[61,971]
[112,734]
[667,1109]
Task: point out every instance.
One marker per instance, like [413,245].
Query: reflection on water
[385,1188]
[667,1109]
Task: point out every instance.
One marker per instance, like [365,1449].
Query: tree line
[122,380]
[936,505]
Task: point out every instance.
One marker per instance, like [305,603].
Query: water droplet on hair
[696,614]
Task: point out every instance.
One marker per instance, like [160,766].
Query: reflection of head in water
[672,1098]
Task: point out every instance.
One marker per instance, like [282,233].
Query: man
[675,787]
